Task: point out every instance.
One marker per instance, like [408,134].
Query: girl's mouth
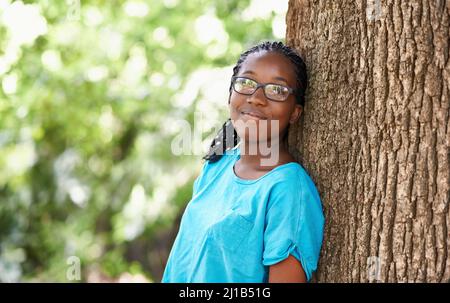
[253,115]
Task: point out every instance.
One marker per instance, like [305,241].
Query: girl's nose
[257,97]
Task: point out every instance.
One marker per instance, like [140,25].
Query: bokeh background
[91,98]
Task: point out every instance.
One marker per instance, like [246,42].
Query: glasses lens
[276,92]
[244,86]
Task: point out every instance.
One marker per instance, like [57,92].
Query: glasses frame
[263,85]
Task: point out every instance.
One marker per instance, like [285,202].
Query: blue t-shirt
[233,229]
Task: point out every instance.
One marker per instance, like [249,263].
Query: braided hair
[227,137]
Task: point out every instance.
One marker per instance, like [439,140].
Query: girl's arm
[287,271]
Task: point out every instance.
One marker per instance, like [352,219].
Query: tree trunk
[375,135]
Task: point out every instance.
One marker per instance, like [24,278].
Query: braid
[227,137]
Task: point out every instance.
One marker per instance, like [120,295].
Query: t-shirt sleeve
[210,171]
[294,224]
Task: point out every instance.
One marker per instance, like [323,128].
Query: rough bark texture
[375,135]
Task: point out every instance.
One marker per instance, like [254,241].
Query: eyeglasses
[274,92]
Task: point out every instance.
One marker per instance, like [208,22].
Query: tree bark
[375,135]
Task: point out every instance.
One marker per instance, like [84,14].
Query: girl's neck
[260,157]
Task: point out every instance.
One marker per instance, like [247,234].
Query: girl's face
[264,67]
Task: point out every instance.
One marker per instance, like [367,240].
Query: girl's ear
[296,113]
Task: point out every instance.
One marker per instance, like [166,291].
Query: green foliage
[86,115]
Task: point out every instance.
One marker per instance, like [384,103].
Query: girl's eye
[248,83]
[244,86]
[277,89]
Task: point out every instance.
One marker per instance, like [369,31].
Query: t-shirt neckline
[251,181]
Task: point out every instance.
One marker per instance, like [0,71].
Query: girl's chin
[253,138]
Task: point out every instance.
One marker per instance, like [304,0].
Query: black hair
[227,137]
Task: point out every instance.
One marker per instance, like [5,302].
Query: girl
[248,221]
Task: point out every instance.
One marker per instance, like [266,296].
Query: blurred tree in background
[90,100]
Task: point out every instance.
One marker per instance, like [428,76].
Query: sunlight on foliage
[90,96]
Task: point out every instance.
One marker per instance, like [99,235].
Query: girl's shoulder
[292,179]
[289,175]
[211,169]
[295,189]
[228,155]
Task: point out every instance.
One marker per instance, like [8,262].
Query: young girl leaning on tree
[254,216]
